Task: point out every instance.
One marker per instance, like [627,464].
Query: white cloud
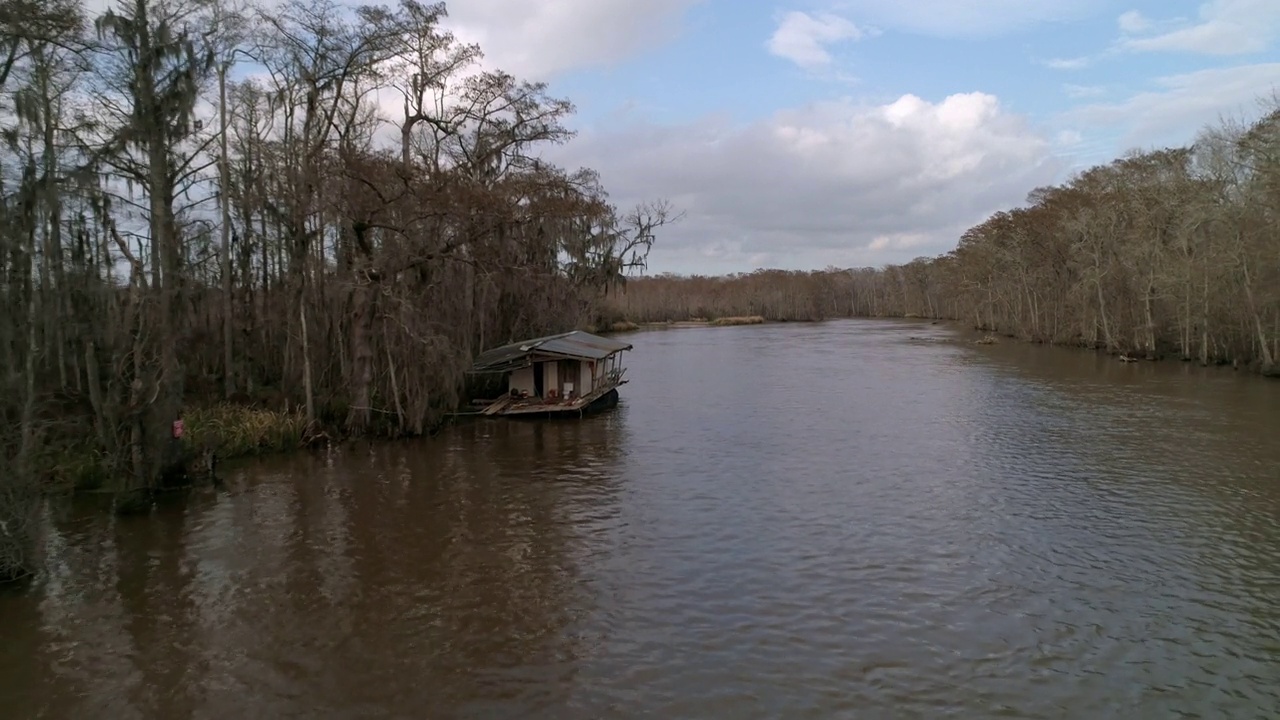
[1069,63]
[1133,22]
[1069,138]
[836,182]
[1225,27]
[967,18]
[803,38]
[1181,106]
[898,241]
[538,40]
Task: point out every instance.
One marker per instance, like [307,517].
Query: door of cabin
[538,382]
[569,373]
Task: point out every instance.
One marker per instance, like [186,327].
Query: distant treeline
[1171,253]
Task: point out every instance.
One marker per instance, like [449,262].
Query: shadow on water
[438,575]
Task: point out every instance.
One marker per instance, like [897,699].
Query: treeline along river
[845,519]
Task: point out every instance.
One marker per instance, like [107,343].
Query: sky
[855,133]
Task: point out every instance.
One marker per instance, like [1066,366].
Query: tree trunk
[1264,348]
[18,497]
[1204,323]
[224,182]
[1102,315]
[406,136]
[102,416]
[395,384]
[1186,321]
[28,430]
[53,276]
[1150,339]
[166,256]
[307,389]
[360,412]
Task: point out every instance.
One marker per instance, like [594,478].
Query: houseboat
[573,373]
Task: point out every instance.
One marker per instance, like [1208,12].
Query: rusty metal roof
[574,345]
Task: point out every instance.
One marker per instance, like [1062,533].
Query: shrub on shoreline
[737,320]
[232,430]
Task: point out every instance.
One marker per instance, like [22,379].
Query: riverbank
[972,334]
[732,321]
[72,462]
[984,336]
[221,432]
[623,326]
[227,431]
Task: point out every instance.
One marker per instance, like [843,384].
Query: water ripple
[781,521]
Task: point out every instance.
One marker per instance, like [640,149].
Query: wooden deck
[508,405]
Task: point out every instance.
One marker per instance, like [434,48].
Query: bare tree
[40,46]
[344,277]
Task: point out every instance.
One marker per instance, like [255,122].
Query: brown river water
[783,521]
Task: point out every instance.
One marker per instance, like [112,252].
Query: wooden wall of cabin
[563,375]
[521,380]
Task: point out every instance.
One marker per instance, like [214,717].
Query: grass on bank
[75,463]
[740,320]
[621,326]
[234,431]
[69,462]
[726,321]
